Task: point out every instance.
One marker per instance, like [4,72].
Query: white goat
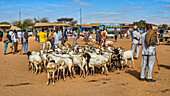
[93,41]
[78,60]
[127,55]
[36,61]
[51,69]
[48,45]
[109,43]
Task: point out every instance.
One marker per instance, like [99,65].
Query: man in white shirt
[135,43]
[57,37]
[19,35]
[148,56]
[12,39]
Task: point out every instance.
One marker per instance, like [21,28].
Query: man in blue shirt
[87,34]
[24,39]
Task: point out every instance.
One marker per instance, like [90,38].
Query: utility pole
[20,16]
[80,17]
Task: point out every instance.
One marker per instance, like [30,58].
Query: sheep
[109,43]
[109,49]
[82,38]
[80,50]
[126,55]
[58,50]
[30,60]
[93,41]
[61,65]
[51,69]
[125,35]
[36,61]
[95,61]
[90,37]
[78,60]
[44,61]
[99,61]
[110,35]
[66,62]
[101,48]
[48,45]
[108,56]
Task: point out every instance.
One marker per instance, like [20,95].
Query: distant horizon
[94,11]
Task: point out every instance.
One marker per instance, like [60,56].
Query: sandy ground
[16,80]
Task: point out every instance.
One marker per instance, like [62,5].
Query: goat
[51,69]
[127,55]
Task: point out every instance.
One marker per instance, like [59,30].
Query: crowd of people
[15,37]
[55,37]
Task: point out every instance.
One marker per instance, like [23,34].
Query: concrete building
[91,27]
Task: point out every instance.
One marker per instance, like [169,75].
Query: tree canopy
[140,24]
[164,26]
[6,23]
[41,20]
[67,21]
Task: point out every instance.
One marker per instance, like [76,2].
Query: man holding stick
[148,40]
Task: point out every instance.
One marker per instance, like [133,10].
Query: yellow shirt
[83,33]
[42,36]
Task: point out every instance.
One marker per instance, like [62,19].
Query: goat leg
[40,68]
[106,70]
[53,78]
[58,74]
[80,72]
[64,78]
[102,70]
[70,72]
[86,70]
[73,72]
[93,70]
[122,65]
[28,66]
[48,79]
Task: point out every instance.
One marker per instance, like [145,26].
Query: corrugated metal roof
[3,25]
[50,24]
[14,28]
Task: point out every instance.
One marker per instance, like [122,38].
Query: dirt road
[16,80]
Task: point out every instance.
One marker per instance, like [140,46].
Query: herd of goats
[83,60]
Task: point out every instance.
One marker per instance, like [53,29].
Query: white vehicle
[30,33]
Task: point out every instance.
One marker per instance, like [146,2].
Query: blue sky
[93,11]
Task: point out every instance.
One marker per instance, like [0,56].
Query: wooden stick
[157,59]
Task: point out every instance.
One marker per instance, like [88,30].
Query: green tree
[44,20]
[140,24]
[41,20]
[28,22]
[36,20]
[70,21]
[164,26]
[25,23]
